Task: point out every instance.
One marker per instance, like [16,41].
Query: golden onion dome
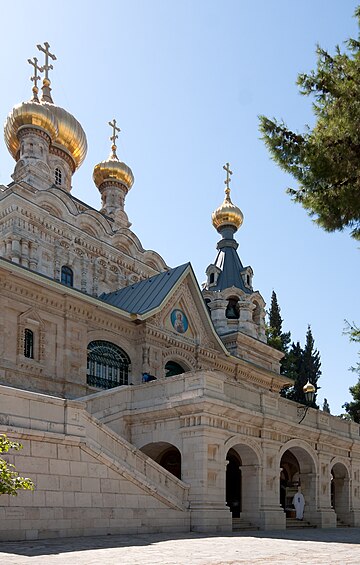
[113,170]
[70,135]
[227,214]
[28,114]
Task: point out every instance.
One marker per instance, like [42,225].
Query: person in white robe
[299,503]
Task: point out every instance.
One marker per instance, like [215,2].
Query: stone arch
[232,311]
[187,362]
[165,454]
[57,197]
[298,468]
[242,479]
[256,313]
[107,364]
[340,489]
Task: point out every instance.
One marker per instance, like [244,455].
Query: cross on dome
[35,78]
[46,67]
[114,137]
[228,179]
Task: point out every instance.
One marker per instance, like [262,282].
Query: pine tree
[324,160]
[353,408]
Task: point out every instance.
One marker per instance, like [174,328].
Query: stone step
[238,524]
[293,523]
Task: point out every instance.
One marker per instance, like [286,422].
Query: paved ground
[341,547]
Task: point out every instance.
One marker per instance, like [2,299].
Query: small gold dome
[309,387]
[71,135]
[227,214]
[113,170]
[28,114]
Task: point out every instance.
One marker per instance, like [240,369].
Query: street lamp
[309,392]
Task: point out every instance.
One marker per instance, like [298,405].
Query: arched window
[172,368]
[212,278]
[29,344]
[67,276]
[232,309]
[256,313]
[58,176]
[107,365]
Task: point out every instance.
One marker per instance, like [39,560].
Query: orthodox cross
[46,67]
[36,77]
[114,136]
[228,179]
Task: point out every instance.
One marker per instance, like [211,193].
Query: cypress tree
[275,336]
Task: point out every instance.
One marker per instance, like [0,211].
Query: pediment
[184,315]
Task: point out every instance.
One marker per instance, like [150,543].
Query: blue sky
[186,81]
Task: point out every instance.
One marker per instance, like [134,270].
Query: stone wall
[88,480]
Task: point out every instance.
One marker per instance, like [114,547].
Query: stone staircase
[341,524]
[292,523]
[239,525]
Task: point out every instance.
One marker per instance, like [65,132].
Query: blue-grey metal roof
[228,261]
[145,295]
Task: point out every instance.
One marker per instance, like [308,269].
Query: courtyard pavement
[341,546]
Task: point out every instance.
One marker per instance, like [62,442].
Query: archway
[297,469]
[340,492]
[166,455]
[242,483]
[172,368]
[233,483]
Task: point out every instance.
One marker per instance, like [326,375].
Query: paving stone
[314,547]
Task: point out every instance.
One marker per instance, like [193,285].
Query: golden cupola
[227,215]
[114,179]
[29,115]
[61,141]
[113,170]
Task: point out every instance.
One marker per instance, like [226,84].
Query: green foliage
[325,161]
[353,408]
[275,336]
[301,365]
[10,481]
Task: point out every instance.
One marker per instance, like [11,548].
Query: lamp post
[309,392]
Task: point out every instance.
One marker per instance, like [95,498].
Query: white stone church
[144,403]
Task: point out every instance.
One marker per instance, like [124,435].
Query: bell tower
[236,309]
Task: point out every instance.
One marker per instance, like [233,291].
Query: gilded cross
[114,127]
[36,77]
[46,67]
[114,136]
[228,179]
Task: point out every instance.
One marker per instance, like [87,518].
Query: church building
[144,403]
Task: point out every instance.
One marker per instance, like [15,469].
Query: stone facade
[195,436]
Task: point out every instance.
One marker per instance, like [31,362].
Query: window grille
[107,365]
[67,276]
[58,177]
[29,344]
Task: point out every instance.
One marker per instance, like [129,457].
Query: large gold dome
[31,114]
[227,214]
[113,170]
[71,135]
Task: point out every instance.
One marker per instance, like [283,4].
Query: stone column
[203,468]
[272,515]
[33,260]
[326,516]
[15,249]
[218,309]
[25,253]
